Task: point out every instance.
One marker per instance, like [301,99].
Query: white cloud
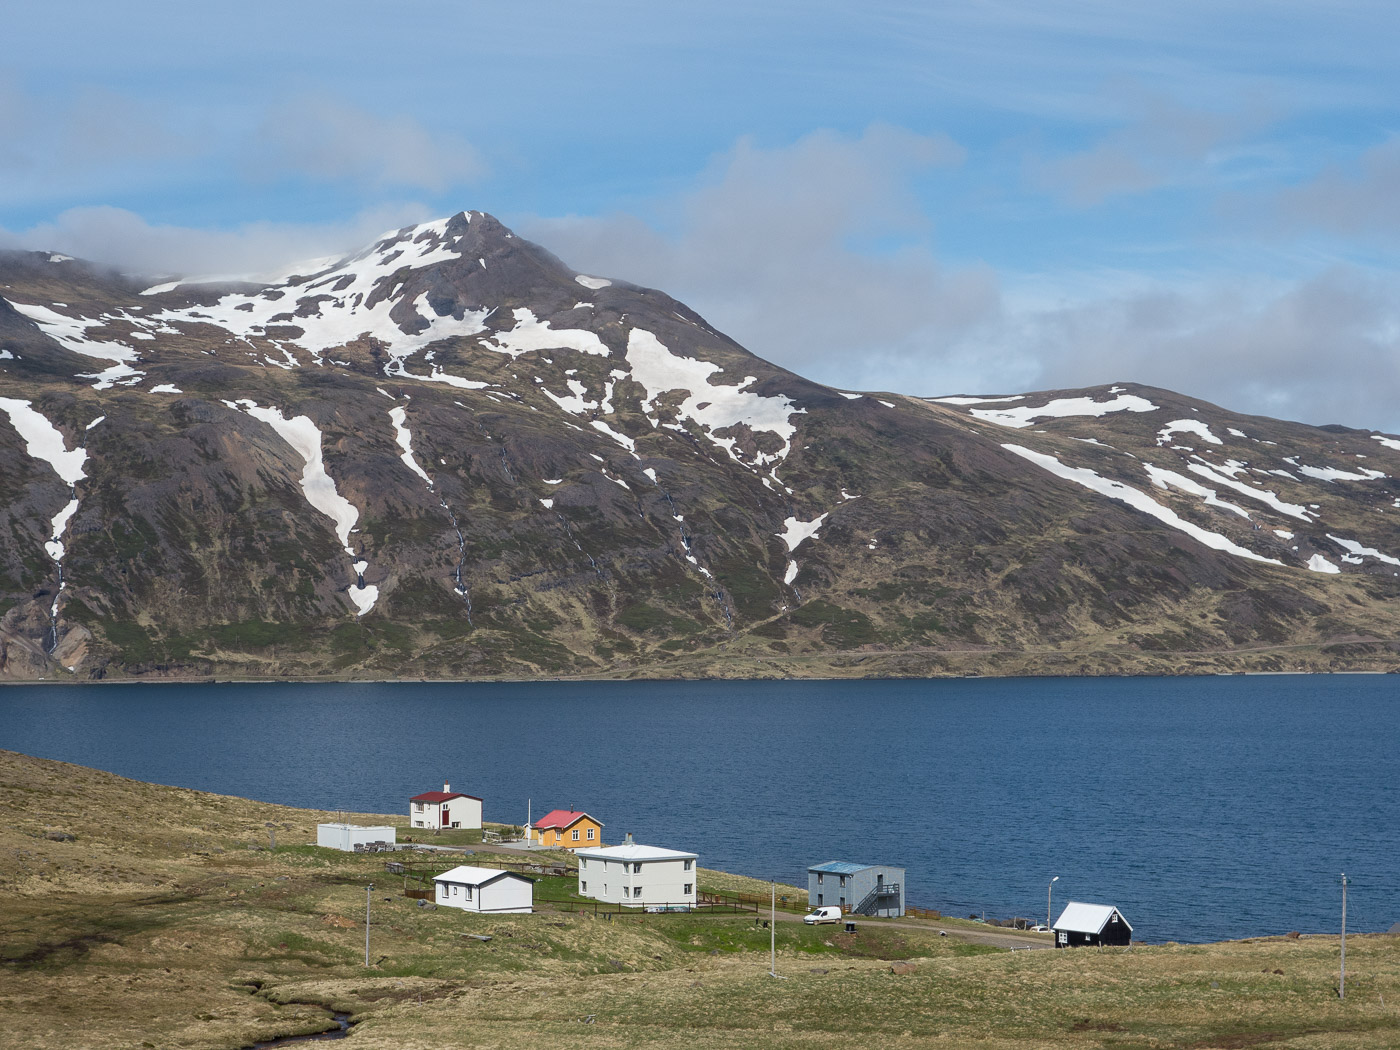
[780,249]
[1159,142]
[120,238]
[763,247]
[1360,199]
[327,139]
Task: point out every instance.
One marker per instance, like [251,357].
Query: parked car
[830,913]
[1040,927]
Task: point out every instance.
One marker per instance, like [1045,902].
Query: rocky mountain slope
[453,456]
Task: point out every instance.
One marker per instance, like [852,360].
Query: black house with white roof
[1086,924]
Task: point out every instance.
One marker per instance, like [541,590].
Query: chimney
[629,841]
[446,788]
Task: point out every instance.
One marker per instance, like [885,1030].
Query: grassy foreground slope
[166,922]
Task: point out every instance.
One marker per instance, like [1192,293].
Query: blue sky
[923,197]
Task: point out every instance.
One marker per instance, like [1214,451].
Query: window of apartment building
[636,891]
[689,888]
[687,865]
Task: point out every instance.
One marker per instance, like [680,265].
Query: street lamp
[1048,890]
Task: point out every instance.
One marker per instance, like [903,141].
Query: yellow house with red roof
[566,829]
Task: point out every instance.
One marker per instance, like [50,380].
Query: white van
[830,913]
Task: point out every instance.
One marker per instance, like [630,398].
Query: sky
[982,196]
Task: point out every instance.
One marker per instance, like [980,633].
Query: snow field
[712,407]
[1060,408]
[399,417]
[1187,426]
[1137,500]
[305,439]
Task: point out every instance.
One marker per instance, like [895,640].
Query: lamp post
[1342,981]
[368,891]
[1048,890]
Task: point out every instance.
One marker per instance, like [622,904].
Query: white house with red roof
[444,809]
[566,829]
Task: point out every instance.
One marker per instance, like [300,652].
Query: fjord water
[1205,808]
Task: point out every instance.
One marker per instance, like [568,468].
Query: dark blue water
[1204,808]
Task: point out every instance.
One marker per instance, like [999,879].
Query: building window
[819,900]
[467,892]
[843,880]
[454,891]
[637,868]
[636,891]
[583,887]
[590,834]
[418,807]
[687,865]
[689,888]
[575,834]
[820,879]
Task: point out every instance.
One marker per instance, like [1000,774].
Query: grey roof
[1079,917]
[840,867]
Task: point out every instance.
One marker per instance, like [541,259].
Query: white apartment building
[637,876]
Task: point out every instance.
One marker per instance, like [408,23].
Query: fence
[755,901]
[605,910]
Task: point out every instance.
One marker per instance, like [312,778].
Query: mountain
[453,456]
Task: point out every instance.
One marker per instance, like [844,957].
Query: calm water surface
[1204,808]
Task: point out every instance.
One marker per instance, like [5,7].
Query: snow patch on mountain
[713,407]
[977,400]
[1117,490]
[1357,551]
[1163,479]
[44,441]
[593,282]
[333,307]
[1387,442]
[305,439]
[1187,426]
[71,334]
[1061,408]
[1317,563]
[1265,496]
[398,415]
[530,333]
[1334,474]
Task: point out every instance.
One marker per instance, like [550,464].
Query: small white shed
[347,836]
[485,890]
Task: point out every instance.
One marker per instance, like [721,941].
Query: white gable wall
[509,895]
[638,883]
[461,813]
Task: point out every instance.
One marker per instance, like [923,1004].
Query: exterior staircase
[878,898]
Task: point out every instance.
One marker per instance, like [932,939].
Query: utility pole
[368,891]
[1342,983]
[1048,890]
[773,932]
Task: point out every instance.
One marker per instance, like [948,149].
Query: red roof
[563,818]
[441,796]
